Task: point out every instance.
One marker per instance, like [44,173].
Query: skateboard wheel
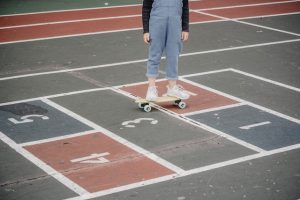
[147,108]
[140,105]
[182,105]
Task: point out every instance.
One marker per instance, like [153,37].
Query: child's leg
[151,81]
[158,30]
[173,48]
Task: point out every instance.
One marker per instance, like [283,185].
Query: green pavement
[21,6]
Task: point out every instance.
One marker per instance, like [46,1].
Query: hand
[147,38]
[184,36]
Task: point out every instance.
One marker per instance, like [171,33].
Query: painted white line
[248,23]
[57,138]
[198,124]
[74,69]
[266,80]
[72,10]
[255,125]
[240,47]
[53,96]
[69,21]
[242,159]
[214,109]
[242,100]
[249,5]
[125,187]
[265,16]
[189,172]
[71,35]
[145,60]
[116,137]
[46,168]
[206,73]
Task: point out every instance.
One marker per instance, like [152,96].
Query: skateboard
[145,104]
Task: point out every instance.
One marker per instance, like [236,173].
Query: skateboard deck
[145,104]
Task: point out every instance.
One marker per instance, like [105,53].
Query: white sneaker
[177,91]
[151,94]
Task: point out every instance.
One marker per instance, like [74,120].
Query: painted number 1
[26,119]
[254,125]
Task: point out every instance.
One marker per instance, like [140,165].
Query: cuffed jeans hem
[152,75]
[172,78]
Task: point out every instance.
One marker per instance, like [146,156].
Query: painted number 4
[94,158]
[26,119]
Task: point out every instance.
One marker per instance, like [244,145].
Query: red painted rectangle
[123,165]
[54,30]
[204,99]
[68,15]
[257,10]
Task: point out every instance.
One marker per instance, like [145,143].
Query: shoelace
[154,90]
[180,88]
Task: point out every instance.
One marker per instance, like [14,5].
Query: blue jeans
[165,35]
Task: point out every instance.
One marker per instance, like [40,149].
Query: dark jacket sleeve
[147,6]
[185,16]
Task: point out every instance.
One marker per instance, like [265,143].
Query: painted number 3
[26,119]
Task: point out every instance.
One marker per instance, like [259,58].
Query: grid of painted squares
[45,130]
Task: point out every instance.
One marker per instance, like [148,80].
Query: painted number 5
[26,119]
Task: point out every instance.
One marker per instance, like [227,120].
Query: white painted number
[129,124]
[92,159]
[254,125]
[26,119]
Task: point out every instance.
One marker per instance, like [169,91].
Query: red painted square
[204,99]
[124,165]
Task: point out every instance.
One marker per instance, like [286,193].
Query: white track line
[261,16]
[249,5]
[190,172]
[46,168]
[242,100]
[57,138]
[248,23]
[243,159]
[266,80]
[121,140]
[71,10]
[54,95]
[69,36]
[206,73]
[69,21]
[74,69]
[145,60]
[246,74]
[214,109]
